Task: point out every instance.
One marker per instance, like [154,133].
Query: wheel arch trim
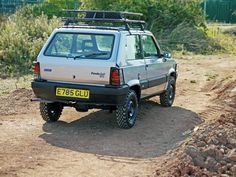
[136,86]
[172,72]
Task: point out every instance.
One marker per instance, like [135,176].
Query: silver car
[105,67]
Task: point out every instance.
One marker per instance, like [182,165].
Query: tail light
[115,77]
[36,70]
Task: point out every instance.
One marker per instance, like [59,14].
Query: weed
[193,81]
[211,76]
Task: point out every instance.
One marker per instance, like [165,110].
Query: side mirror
[166,55]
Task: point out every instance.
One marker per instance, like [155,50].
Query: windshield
[75,45]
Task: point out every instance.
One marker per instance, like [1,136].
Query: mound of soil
[231,31]
[212,148]
[18,102]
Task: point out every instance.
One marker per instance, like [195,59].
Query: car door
[156,68]
[134,69]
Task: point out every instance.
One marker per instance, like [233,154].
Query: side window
[149,48]
[134,51]
[104,43]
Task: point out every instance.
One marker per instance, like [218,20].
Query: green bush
[21,38]
[51,8]
[186,37]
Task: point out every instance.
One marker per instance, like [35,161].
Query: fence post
[205,6]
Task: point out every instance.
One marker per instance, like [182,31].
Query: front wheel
[167,97]
[51,112]
[126,113]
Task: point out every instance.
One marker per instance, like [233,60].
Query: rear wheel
[51,112]
[167,98]
[126,113]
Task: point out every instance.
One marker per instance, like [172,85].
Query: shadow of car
[159,130]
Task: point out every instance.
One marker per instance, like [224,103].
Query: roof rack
[103,17]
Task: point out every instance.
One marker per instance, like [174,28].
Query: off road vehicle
[104,60]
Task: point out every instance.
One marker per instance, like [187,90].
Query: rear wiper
[83,56]
[79,56]
[96,54]
[75,56]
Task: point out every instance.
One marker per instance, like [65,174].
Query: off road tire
[126,113]
[167,97]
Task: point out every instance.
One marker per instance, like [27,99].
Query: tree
[55,7]
[159,15]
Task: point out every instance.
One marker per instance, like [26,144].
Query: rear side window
[149,47]
[95,46]
[134,50]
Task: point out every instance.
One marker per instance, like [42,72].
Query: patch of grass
[211,76]
[189,40]
[10,84]
[222,37]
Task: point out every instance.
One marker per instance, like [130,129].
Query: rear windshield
[76,45]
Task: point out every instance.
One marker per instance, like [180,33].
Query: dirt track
[90,144]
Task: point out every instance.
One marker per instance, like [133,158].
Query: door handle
[164,59]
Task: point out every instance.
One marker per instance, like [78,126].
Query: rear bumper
[99,95]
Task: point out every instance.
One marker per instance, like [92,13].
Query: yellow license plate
[73,93]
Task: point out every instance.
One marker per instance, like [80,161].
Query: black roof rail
[104,16]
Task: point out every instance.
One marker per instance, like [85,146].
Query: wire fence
[9,6]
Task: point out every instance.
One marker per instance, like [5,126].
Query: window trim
[49,43]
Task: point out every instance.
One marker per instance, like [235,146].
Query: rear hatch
[78,57]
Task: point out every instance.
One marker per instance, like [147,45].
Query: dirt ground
[161,144]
